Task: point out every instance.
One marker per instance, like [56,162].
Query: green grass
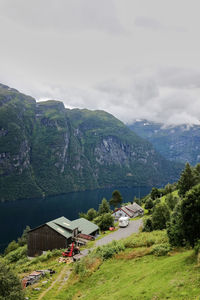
[149,277]
[138,272]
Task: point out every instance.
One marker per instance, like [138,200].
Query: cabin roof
[85,226]
[130,209]
[65,227]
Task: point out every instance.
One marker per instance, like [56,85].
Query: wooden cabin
[57,234]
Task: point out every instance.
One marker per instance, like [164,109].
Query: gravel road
[121,233]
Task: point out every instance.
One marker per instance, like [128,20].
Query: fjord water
[14,216]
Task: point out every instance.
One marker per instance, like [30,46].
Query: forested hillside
[180,143]
[46,149]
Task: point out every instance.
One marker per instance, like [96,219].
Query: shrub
[104,221]
[146,239]
[148,204]
[161,249]
[10,286]
[107,251]
[11,246]
[15,255]
[197,247]
[148,225]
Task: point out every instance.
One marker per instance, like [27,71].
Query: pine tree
[186,181]
[104,207]
[116,198]
[190,211]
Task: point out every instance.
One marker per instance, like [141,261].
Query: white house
[131,211]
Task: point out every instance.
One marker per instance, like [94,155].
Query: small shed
[131,211]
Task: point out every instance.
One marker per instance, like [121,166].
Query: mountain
[46,149]
[176,143]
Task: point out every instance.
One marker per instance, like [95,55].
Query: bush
[11,247]
[197,247]
[10,285]
[148,225]
[15,255]
[161,249]
[107,251]
[146,239]
[148,204]
[104,221]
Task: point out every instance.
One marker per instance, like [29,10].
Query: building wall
[45,238]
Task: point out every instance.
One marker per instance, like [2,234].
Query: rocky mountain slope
[46,149]
[176,143]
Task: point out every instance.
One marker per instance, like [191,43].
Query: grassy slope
[149,277]
[132,274]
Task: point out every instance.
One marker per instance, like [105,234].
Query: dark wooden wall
[45,238]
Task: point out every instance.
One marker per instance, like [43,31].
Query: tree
[197,174]
[104,221]
[104,207]
[171,201]
[116,198]
[190,211]
[155,193]
[10,286]
[137,200]
[174,227]
[23,239]
[160,216]
[148,204]
[91,214]
[186,181]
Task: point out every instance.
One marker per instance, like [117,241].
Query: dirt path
[54,282]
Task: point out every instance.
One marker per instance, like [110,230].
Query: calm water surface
[14,216]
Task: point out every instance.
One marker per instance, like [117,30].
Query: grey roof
[134,207]
[85,226]
[131,209]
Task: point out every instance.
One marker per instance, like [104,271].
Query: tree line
[179,212]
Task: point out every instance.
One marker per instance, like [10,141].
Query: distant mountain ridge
[46,149]
[180,143]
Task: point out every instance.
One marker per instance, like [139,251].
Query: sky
[136,59]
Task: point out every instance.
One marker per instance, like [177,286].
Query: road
[121,233]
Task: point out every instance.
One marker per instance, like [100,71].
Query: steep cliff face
[176,143]
[17,113]
[46,149]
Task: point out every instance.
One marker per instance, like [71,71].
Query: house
[131,211]
[57,234]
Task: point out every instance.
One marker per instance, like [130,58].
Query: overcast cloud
[133,58]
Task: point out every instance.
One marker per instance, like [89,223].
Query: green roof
[63,226]
[66,227]
[85,226]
